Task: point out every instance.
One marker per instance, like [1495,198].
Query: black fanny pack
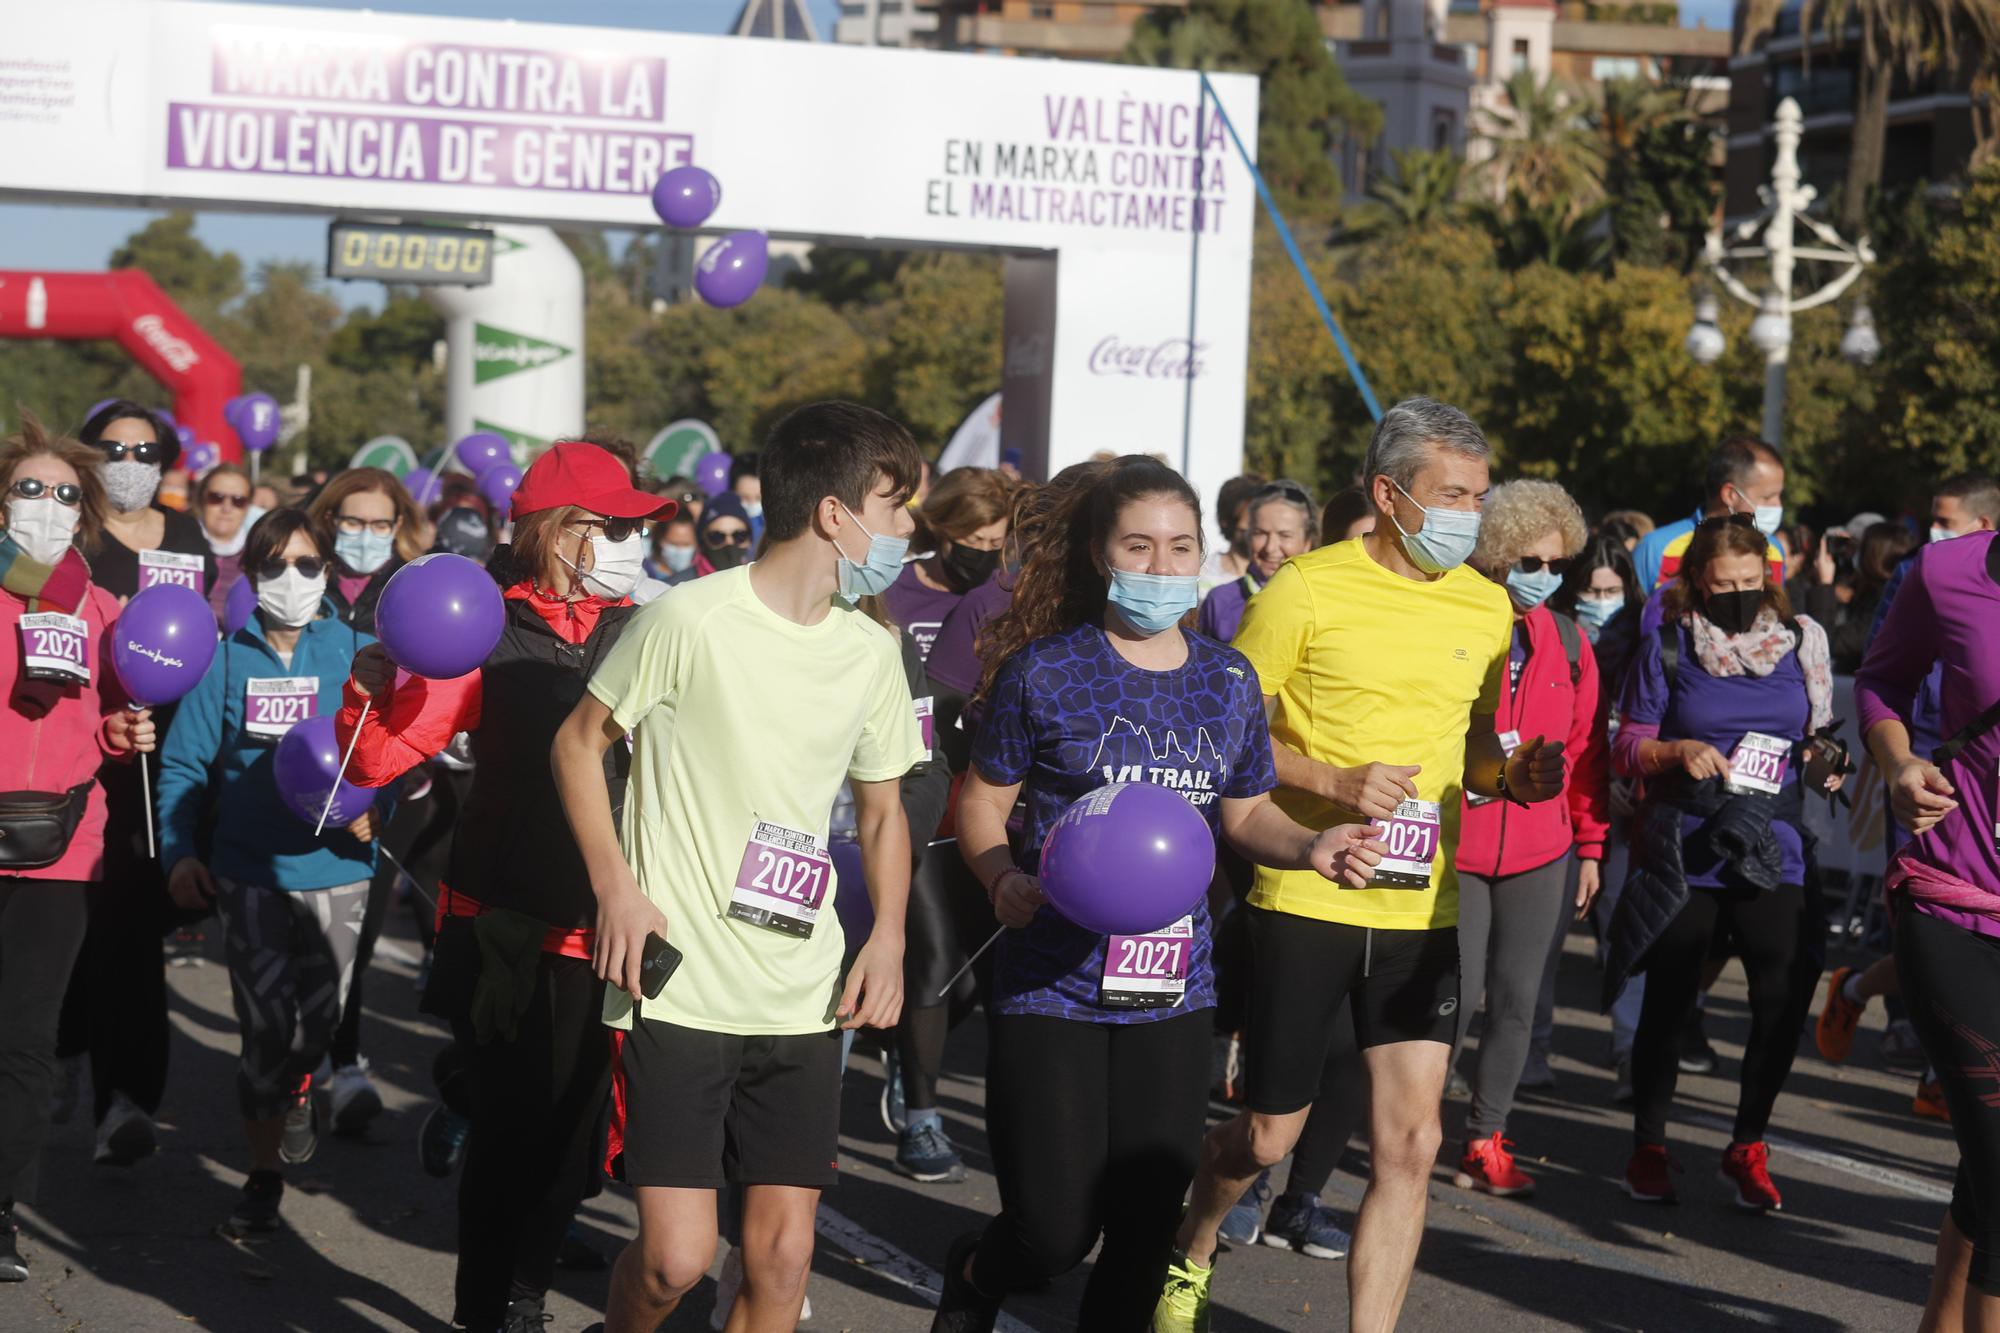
[36,826]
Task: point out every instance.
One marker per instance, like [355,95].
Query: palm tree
[1423,191]
[1625,110]
[1528,232]
[1541,145]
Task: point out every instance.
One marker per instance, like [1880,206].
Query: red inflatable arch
[129,306]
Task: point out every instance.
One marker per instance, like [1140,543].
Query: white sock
[1850,990]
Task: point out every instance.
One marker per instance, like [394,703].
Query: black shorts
[708,1109]
[1403,984]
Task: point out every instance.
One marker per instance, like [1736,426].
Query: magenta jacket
[1500,838]
[53,735]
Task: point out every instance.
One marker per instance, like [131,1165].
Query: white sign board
[1111,168]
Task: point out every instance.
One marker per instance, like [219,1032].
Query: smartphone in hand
[657,961]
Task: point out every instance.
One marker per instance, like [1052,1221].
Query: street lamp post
[1785,202]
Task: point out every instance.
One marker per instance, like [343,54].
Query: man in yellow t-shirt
[1381,662]
[750,695]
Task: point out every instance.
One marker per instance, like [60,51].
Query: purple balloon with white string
[162,643]
[1128,859]
[305,770]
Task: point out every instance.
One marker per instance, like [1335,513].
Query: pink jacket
[1501,838]
[53,735]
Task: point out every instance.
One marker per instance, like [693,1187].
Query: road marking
[878,1256]
[1880,1175]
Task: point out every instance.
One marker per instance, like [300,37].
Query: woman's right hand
[1701,761]
[190,886]
[1016,897]
[373,673]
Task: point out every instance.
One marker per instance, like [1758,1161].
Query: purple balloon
[482,450]
[257,422]
[162,643]
[851,902]
[422,484]
[711,473]
[201,457]
[1128,859]
[305,767]
[440,616]
[730,271]
[239,604]
[185,434]
[497,484]
[685,196]
[230,409]
[98,406]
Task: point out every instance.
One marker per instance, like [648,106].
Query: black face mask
[727,556]
[1733,612]
[966,568]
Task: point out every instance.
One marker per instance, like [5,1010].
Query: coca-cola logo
[1167,359]
[174,351]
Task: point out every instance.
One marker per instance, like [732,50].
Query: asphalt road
[370,1244]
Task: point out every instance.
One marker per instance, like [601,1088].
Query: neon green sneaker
[1183,1306]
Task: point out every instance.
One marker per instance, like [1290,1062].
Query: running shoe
[355,1100]
[963,1308]
[526,1316]
[579,1255]
[1838,1017]
[1929,1101]
[1536,1073]
[1745,1166]
[1245,1222]
[1183,1305]
[301,1136]
[1900,1047]
[1488,1166]
[895,1115]
[1697,1056]
[126,1134]
[67,1094]
[1649,1176]
[13,1268]
[924,1154]
[441,1142]
[256,1212]
[1305,1226]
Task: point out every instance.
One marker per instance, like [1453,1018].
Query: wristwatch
[1505,793]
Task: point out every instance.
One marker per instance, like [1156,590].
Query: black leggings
[1773,933]
[41,929]
[1095,1128]
[1951,983]
[1343,1096]
[948,919]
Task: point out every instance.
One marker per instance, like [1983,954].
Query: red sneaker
[1487,1165]
[1929,1101]
[1649,1176]
[1744,1167]
[1838,1017]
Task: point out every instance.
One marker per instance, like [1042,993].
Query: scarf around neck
[1758,650]
[58,587]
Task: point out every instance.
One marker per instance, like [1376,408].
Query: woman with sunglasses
[65,712]
[517,890]
[377,529]
[291,899]
[1513,860]
[1719,718]
[1279,522]
[222,506]
[721,539]
[116,1010]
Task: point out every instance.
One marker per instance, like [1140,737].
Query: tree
[1423,190]
[1551,232]
[1542,146]
[200,280]
[1306,107]
[941,352]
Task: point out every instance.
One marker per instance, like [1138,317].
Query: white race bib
[273,705]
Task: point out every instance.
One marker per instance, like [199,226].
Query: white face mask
[42,528]
[615,567]
[754,508]
[1940,534]
[291,599]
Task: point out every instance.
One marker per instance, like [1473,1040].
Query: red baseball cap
[574,472]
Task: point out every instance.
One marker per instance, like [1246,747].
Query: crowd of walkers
[750,773]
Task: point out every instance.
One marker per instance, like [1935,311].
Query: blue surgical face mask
[1597,613]
[677,558]
[1939,534]
[364,552]
[1152,603]
[871,577]
[1531,590]
[1446,539]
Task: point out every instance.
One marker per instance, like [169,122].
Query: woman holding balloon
[1101,707]
[291,899]
[65,712]
[517,887]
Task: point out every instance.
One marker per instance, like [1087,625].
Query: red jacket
[1501,838]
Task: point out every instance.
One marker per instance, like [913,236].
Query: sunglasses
[615,529]
[33,488]
[233,501]
[1534,564]
[718,538]
[309,566]
[1730,520]
[116,450]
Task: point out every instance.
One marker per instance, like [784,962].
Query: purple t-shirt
[1719,711]
[918,609]
[1946,612]
[1066,716]
[954,659]
[1222,610]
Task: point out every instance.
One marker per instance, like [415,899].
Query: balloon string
[146,787]
[333,794]
[946,989]
[405,874]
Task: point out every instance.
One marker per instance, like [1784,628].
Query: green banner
[497,353]
[392,453]
[674,450]
[524,445]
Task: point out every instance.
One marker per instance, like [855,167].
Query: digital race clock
[407,252]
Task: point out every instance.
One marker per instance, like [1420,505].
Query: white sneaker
[729,1283]
[67,1094]
[355,1100]
[126,1135]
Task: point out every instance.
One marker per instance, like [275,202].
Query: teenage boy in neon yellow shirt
[750,696]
